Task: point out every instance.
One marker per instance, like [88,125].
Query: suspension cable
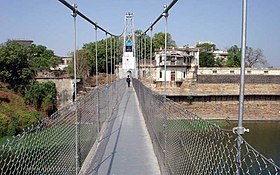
[151,55]
[107,59]
[165,11]
[96,81]
[145,55]
[111,58]
[64,2]
[141,56]
[115,57]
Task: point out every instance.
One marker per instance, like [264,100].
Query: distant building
[23,42]
[181,63]
[205,42]
[65,62]
[221,55]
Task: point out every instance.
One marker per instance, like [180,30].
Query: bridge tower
[128,61]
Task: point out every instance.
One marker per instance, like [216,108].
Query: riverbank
[220,101]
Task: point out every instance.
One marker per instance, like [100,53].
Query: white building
[181,64]
[221,55]
[64,62]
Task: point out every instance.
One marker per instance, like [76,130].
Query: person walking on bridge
[128,81]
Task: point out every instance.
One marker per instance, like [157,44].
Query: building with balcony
[181,65]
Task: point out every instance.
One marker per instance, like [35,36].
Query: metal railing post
[111,59]
[74,14]
[141,57]
[240,129]
[114,67]
[96,81]
[165,14]
[107,78]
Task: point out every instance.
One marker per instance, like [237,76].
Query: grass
[3,140]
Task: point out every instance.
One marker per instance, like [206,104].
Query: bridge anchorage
[115,129]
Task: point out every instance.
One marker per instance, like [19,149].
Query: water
[263,136]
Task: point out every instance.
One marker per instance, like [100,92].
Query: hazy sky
[49,23]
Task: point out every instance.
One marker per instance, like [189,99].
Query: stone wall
[236,71]
[253,110]
[260,79]
[221,98]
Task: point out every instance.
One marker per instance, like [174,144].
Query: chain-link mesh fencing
[187,144]
[50,147]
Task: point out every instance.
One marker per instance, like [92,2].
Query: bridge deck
[129,149]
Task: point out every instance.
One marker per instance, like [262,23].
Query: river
[263,136]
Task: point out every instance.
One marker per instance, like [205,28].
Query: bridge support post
[240,130]
[165,15]
[96,81]
[74,14]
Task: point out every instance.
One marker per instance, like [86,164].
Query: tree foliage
[89,50]
[254,57]
[234,56]
[206,57]
[19,62]
[82,63]
[87,54]
[42,96]
[159,40]
[42,58]
[208,60]
[15,69]
[143,43]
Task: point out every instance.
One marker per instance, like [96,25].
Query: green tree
[89,49]
[142,42]
[253,58]
[159,40]
[14,68]
[42,58]
[42,96]
[207,60]
[206,57]
[82,64]
[234,57]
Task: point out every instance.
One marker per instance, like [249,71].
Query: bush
[42,96]
[15,123]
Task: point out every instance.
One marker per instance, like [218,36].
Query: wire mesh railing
[187,144]
[50,147]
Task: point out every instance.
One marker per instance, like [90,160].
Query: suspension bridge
[115,129]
